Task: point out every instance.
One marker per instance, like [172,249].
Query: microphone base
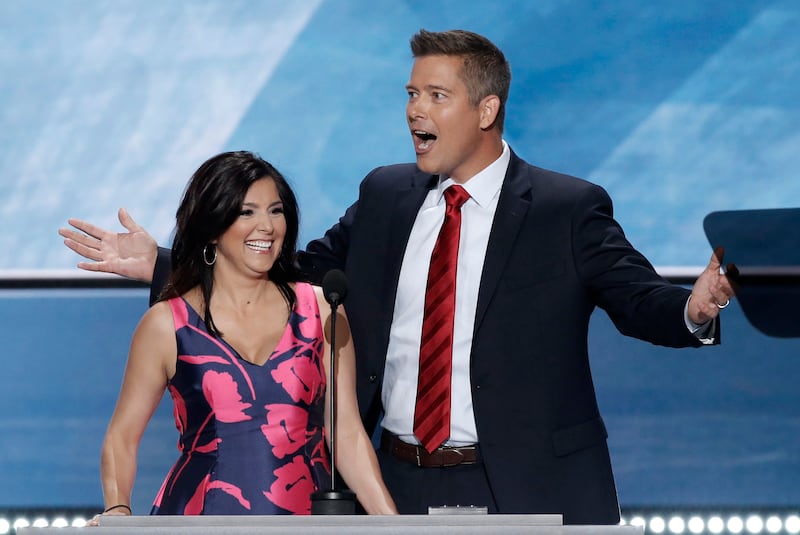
[333,502]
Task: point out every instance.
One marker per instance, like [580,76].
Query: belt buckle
[456,451]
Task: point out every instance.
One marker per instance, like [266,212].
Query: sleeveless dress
[251,437]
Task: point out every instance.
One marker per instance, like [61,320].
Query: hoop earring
[205,255]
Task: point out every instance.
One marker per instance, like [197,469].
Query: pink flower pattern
[293,484]
[286,428]
[222,393]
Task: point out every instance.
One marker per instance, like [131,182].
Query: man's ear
[489,108]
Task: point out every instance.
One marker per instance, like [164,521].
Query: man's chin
[425,164]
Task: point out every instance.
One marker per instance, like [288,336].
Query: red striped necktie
[432,411]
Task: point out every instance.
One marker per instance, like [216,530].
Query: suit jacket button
[373,378]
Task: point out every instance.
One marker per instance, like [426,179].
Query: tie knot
[455,196]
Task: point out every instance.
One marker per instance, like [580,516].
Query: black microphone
[333,501]
[334,286]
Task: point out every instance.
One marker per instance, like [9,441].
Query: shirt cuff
[705,332]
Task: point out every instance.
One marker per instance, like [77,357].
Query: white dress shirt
[402,358]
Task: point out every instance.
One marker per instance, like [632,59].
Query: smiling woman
[238,342]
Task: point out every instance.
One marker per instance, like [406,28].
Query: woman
[240,345]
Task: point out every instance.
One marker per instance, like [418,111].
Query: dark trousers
[414,489]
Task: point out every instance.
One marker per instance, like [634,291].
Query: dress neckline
[287,330]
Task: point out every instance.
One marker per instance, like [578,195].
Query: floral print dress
[251,437]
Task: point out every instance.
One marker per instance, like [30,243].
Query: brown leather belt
[440,458]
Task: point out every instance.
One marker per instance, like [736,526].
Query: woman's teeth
[259,245]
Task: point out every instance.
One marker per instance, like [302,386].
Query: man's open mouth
[424,139]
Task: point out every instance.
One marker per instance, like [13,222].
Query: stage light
[696,524]
[78,522]
[60,522]
[676,524]
[754,524]
[716,524]
[5,527]
[774,524]
[21,523]
[735,524]
[657,524]
[792,524]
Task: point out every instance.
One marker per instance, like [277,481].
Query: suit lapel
[406,204]
[512,207]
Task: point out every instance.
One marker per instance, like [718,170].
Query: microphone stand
[333,501]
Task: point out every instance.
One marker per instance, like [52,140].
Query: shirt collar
[484,186]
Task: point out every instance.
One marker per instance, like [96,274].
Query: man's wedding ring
[723,305]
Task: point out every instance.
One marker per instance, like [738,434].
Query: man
[536,253]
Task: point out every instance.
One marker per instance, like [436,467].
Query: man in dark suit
[538,251]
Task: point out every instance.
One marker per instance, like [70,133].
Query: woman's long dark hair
[211,203]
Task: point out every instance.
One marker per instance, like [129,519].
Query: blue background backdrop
[678,108]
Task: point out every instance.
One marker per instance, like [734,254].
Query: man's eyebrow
[431,87]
